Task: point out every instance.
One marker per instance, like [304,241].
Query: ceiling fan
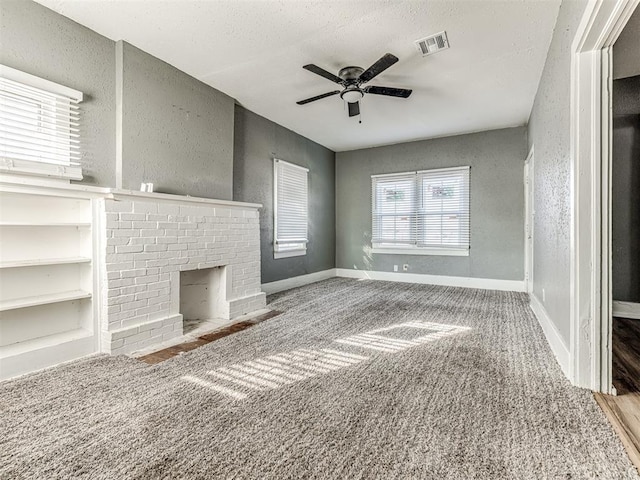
[351,78]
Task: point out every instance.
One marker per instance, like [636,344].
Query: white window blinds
[290,209]
[394,208]
[39,125]
[421,210]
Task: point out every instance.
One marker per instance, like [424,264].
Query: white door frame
[529,220]
[590,268]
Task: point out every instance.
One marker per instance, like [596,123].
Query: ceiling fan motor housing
[350,74]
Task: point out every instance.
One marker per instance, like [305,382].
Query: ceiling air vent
[433,44]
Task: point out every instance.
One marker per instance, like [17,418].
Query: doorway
[590,352]
[625,222]
[624,408]
[619,190]
[529,222]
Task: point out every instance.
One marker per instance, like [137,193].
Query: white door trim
[590,342]
[529,215]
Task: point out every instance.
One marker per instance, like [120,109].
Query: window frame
[414,247]
[61,169]
[287,249]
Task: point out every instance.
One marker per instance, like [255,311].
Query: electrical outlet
[543,296]
[405,267]
[395,268]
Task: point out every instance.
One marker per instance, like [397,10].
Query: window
[39,126]
[424,213]
[290,209]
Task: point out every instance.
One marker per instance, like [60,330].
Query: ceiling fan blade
[354,108]
[377,68]
[318,97]
[323,73]
[389,91]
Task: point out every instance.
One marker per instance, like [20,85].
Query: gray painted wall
[257,142]
[626,59]
[548,131]
[497,203]
[38,41]
[626,190]
[177,131]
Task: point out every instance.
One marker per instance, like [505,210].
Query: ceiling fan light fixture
[352,96]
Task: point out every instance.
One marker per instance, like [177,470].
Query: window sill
[448,252]
[289,253]
[38,169]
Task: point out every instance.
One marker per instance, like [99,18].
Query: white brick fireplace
[149,240]
[86,269]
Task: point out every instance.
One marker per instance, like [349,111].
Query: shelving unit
[43,262]
[43,224]
[36,300]
[46,279]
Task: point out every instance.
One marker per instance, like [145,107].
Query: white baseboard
[558,347]
[299,281]
[27,361]
[467,282]
[626,309]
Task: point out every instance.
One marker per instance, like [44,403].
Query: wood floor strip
[623,410]
[170,352]
[626,355]
[619,416]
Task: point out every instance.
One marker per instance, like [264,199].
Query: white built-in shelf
[43,299]
[45,224]
[43,261]
[48,242]
[43,342]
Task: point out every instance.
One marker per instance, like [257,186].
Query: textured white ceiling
[254,51]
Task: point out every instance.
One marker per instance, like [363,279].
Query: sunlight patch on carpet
[275,371]
[239,380]
[401,336]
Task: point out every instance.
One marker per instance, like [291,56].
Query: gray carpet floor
[356,379]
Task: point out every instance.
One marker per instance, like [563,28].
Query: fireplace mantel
[119,194]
